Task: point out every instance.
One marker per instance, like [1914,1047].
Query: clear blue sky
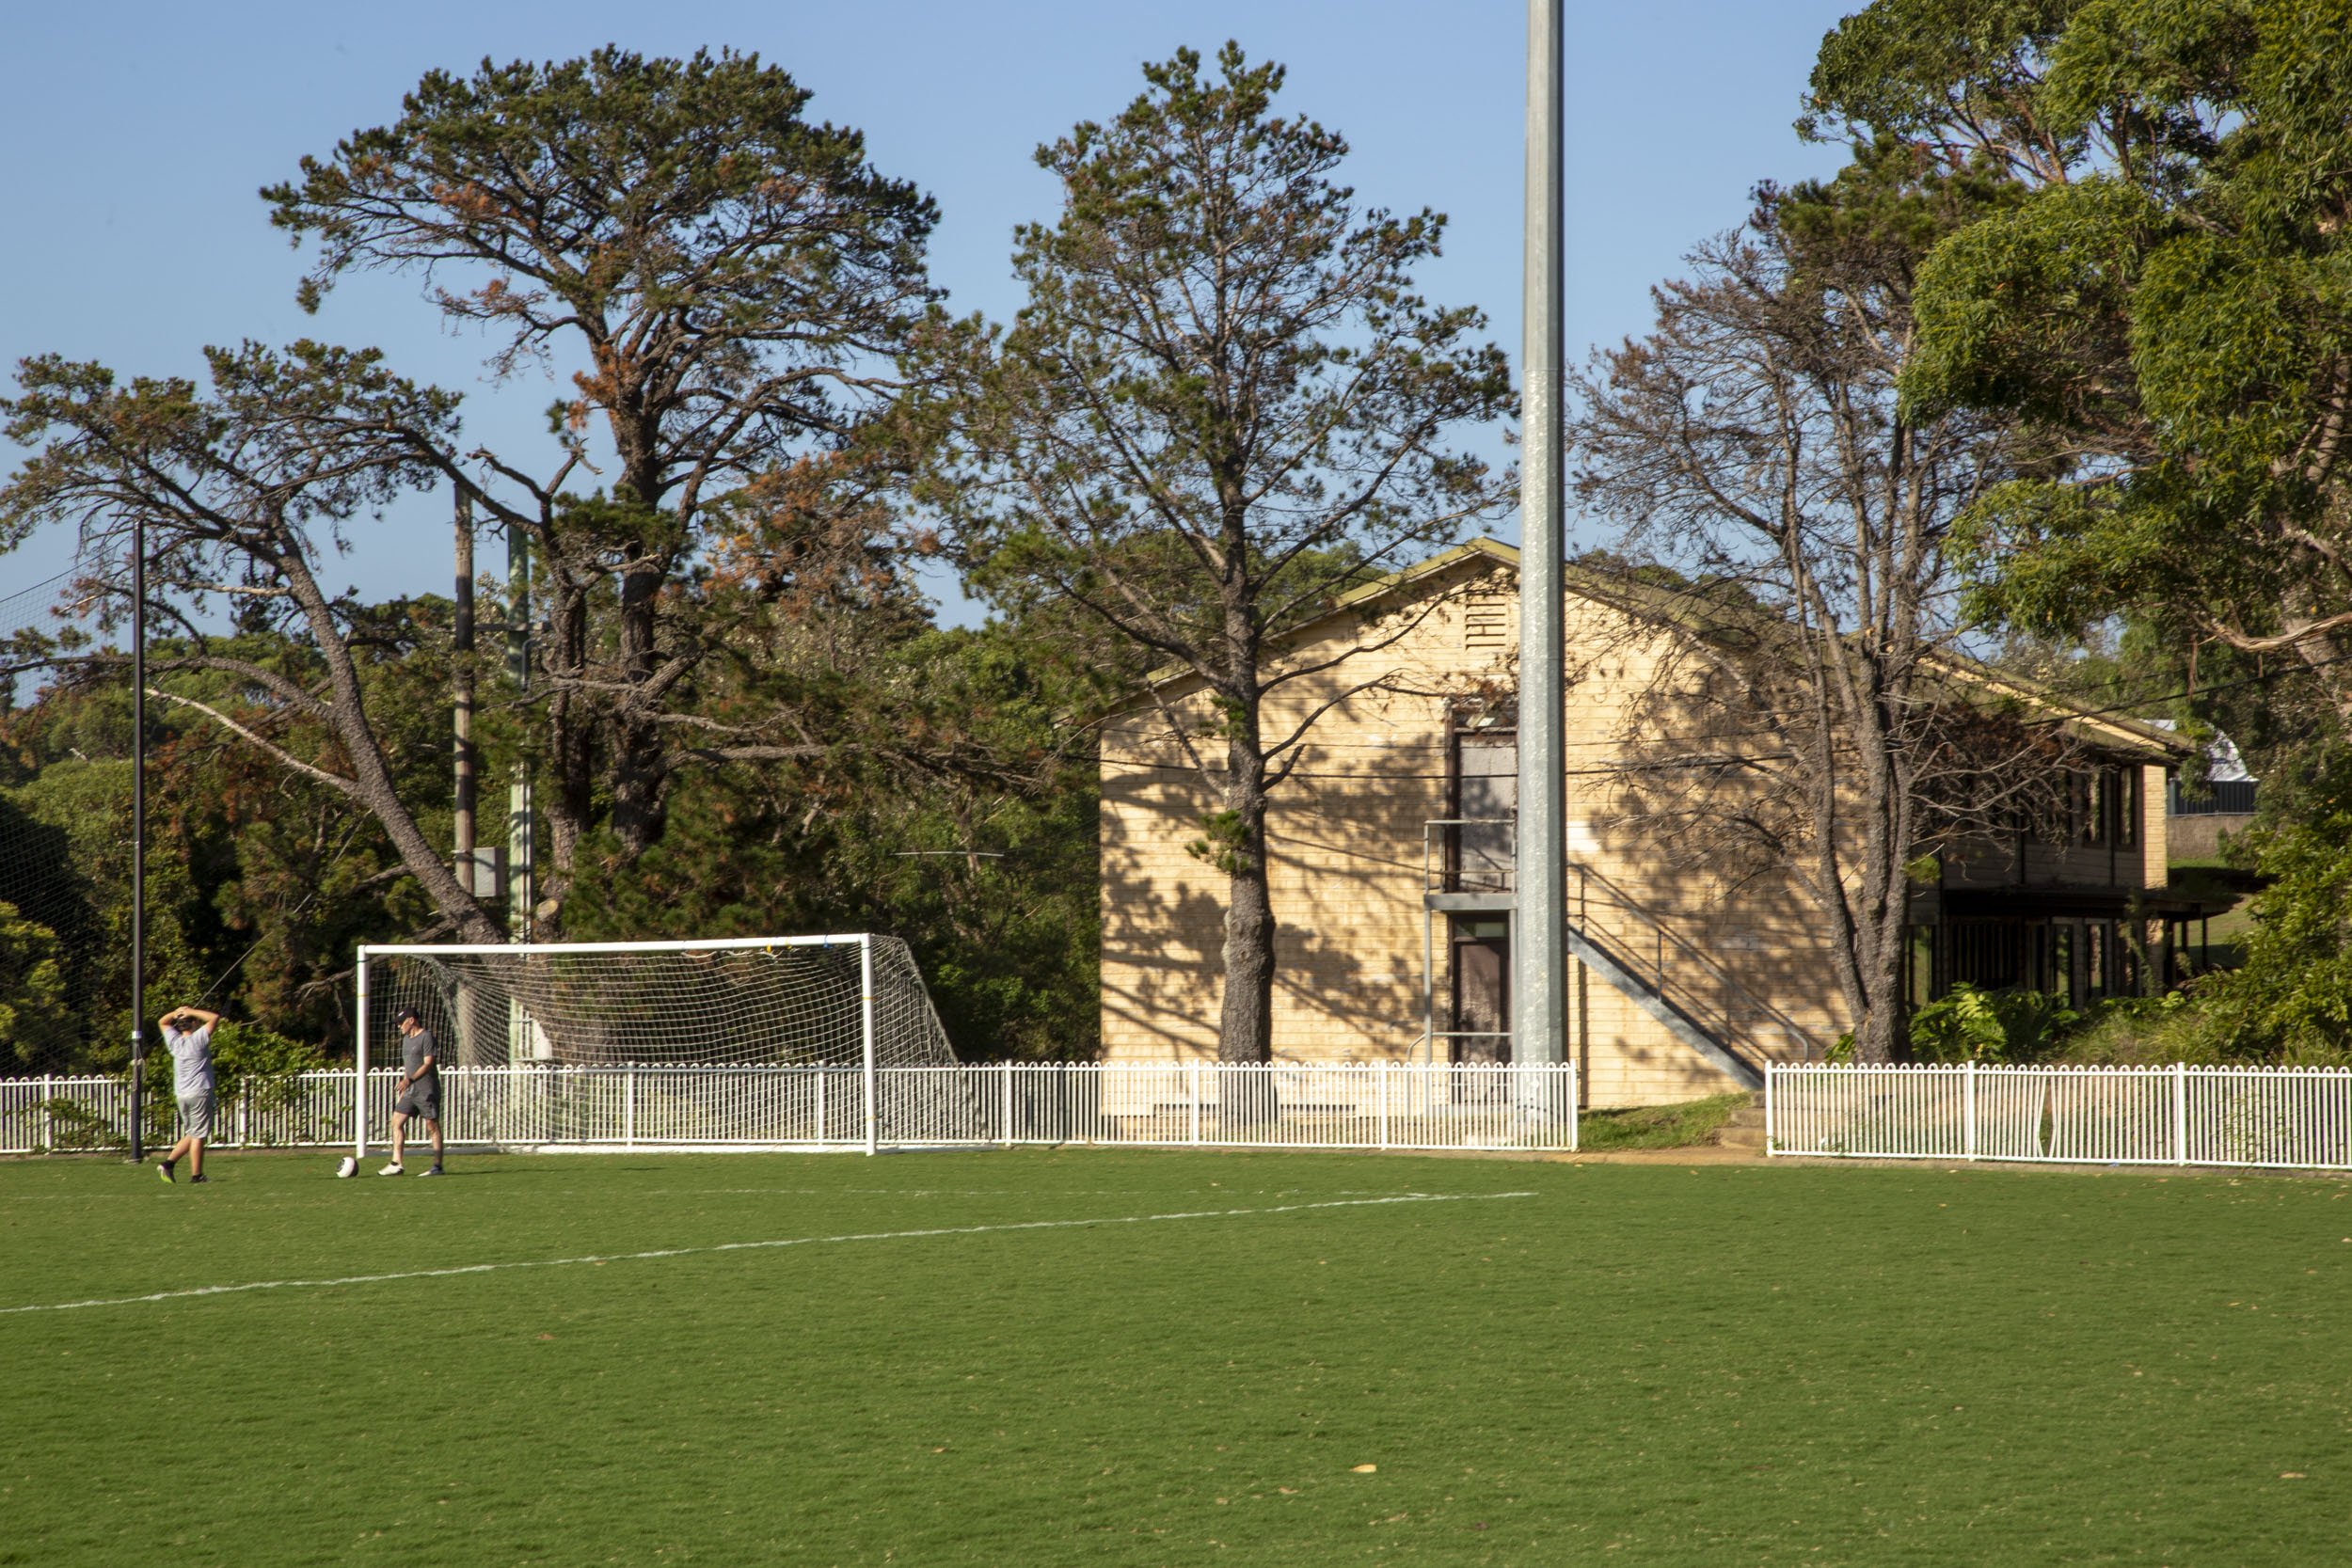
[136,136]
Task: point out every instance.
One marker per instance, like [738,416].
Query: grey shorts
[195,1116]
[419,1100]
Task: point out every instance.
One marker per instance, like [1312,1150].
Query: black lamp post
[138,837]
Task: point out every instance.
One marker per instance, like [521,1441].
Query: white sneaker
[390,1170]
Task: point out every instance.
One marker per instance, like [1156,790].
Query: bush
[2141,1031]
[1966,1025]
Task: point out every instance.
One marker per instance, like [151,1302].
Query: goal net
[745,1041]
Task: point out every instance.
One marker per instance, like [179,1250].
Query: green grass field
[999,1358]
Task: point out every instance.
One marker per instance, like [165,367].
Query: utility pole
[461,702]
[138,838]
[469,865]
[1538,953]
[521,891]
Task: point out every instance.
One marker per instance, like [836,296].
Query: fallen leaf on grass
[1364,1469]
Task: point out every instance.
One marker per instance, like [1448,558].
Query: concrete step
[1744,1127]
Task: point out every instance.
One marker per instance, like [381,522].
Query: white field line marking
[747,1246]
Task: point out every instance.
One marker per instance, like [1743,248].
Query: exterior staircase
[1660,1003]
[1627,945]
[1675,981]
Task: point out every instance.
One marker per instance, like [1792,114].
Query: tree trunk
[1246,1026]
[569,790]
[637,746]
[370,774]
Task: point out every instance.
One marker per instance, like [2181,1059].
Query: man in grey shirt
[420,1090]
[188,1036]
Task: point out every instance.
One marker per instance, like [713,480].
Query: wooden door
[1482,994]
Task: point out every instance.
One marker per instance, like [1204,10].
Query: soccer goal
[750,1041]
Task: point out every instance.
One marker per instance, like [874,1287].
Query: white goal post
[730,1042]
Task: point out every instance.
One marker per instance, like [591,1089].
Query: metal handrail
[1686,950]
[1434,880]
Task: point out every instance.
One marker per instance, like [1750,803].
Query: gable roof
[1491,552]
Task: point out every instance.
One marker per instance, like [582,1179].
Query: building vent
[1487,621]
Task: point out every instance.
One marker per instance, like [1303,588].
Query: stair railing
[1729,1026]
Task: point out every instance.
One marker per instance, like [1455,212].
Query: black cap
[407,1015]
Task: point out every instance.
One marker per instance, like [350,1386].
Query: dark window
[1480,847]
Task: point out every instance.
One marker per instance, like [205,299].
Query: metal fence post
[1576,1111]
[1383,1104]
[2179,1112]
[48,1113]
[866,1020]
[1968,1109]
[360,1059]
[1007,1124]
[821,1075]
[1193,1096]
[628,1105]
[1771,1070]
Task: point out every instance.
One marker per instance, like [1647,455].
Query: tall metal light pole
[138,838]
[1538,950]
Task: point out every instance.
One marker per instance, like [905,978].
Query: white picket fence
[2284,1118]
[1389,1105]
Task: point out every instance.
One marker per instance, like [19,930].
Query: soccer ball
[349,1167]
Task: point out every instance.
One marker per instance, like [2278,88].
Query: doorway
[1482,991]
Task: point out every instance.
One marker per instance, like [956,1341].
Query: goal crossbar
[455,949]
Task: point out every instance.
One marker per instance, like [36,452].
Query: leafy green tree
[1222,406]
[241,489]
[954,805]
[2168,299]
[261,879]
[35,1024]
[724,279]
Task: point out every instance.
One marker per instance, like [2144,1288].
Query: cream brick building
[1390,852]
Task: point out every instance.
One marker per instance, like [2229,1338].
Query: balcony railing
[1469,854]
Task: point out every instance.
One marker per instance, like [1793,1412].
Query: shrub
[1967,1024]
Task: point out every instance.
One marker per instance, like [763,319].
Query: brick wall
[1346,838]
